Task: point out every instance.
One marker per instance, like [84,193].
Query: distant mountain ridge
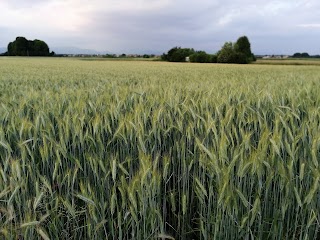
[75,50]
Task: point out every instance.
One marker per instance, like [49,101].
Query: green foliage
[213,58]
[20,47]
[11,50]
[23,47]
[243,46]
[240,58]
[38,48]
[301,55]
[253,57]
[110,56]
[226,54]
[177,54]
[239,52]
[202,57]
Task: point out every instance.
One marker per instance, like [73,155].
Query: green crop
[152,150]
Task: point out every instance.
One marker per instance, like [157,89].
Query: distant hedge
[203,57]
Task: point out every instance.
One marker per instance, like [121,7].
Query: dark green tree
[243,46]
[10,49]
[239,52]
[213,58]
[203,57]
[40,48]
[297,55]
[20,46]
[177,54]
[240,58]
[200,57]
[226,54]
[301,55]
[23,47]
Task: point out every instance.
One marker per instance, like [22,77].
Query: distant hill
[3,50]
[75,50]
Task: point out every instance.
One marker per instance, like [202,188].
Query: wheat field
[154,150]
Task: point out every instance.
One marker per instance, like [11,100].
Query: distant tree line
[203,57]
[304,55]
[238,52]
[301,55]
[24,47]
[123,55]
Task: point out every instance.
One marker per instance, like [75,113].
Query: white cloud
[52,17]
[228,18]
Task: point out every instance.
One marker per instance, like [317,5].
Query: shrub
[200,57]
[213,58]
[177,54]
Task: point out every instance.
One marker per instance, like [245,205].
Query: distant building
[275,57]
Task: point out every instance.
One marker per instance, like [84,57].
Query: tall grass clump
[141,150]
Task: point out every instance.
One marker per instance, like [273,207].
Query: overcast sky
[137,26]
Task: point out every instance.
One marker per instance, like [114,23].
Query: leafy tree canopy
[23,47]
[226,54]
[301,55]
[243,46]
[238,52]
[177,54]
[203,57]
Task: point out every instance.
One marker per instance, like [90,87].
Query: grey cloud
[151,29]
[273,26]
